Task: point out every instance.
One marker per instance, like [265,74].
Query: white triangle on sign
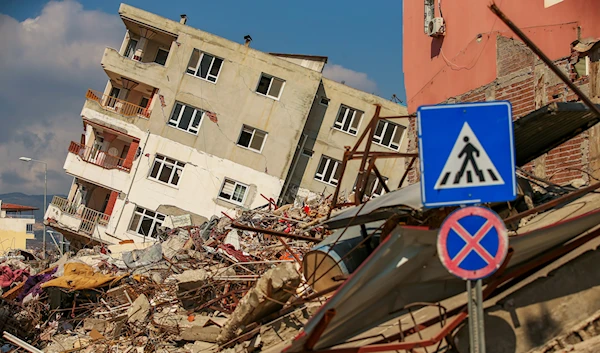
[468,164]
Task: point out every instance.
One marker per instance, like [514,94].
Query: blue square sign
[466,153]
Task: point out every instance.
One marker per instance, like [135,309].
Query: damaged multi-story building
[191,123]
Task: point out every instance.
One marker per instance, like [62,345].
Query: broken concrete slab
[188,282]
[198,333]
[90,324]
[139,310]
[272,289]
[200,346]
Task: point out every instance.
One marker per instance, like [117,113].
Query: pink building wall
[436,69]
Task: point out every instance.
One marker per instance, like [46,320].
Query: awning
[549,127]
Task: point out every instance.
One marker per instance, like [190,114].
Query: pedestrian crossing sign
[466,153]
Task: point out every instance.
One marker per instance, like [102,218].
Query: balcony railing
[89,218]
[119,106]
[99,158]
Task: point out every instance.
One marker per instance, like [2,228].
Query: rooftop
[11,207]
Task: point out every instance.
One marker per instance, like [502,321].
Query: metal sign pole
[472,330]
[480,317]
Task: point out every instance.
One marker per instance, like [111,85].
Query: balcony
[116,105]
[117,66]
[75,218]
[99,158]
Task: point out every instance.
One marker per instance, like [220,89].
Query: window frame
[326,104]
[337,165]
[196,110]
[251,138]
[270,84]
[200,56]
[341,127]
[142,215]
[380,137]
[236,183]
[156,56]
[376,184]
[159,172]
[29,228]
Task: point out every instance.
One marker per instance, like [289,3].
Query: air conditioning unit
[436,27]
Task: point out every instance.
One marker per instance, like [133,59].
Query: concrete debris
[200,284]
[270,294]
[139,310]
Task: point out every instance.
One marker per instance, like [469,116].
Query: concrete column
[111,203]
[139,48]
[131,154]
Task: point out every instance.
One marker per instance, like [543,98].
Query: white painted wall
[198,187]
[15,224]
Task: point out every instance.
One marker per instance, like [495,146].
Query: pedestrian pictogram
[472,242]
[466,153]
[468,164]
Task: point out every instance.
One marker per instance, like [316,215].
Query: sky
[51,53]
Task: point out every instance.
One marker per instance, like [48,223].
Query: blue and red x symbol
[472,242]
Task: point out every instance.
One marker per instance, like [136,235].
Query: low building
[191,123]
[16,226]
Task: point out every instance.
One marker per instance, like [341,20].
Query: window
[166,170]
[233,191]
[29,229]
[324,101]
[270,86]
[186,118]
[113,96]
[252,138]
[205,66]
[144,102]
[161,56]
[146,222]
[388,134]
[329,170]
[130,50]
[374,187]
[348,120]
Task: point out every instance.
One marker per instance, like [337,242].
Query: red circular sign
[466,241]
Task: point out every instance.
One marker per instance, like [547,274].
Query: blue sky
[52,50]
[360,36]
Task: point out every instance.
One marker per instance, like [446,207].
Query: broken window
[329,170]
[233,191]
[130,50]
[388,134]
[204,65]
[146,222]
[252,138]
[186,118]
[161,56]
[166,170]
[374,187]
[348,120]
[270,86]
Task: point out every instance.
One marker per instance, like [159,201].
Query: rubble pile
[201,288]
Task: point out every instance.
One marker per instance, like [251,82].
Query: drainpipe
[287,182]
[132,179]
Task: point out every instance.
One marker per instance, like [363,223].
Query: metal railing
[98,157]
[89,218]
[22,216]
[119,106]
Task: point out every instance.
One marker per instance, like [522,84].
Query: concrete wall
[324,139]
[436,69]
[13,233]
[529,85]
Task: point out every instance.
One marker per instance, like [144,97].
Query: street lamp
[27,159]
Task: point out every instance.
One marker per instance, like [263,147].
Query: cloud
[46,65]
[358,80]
